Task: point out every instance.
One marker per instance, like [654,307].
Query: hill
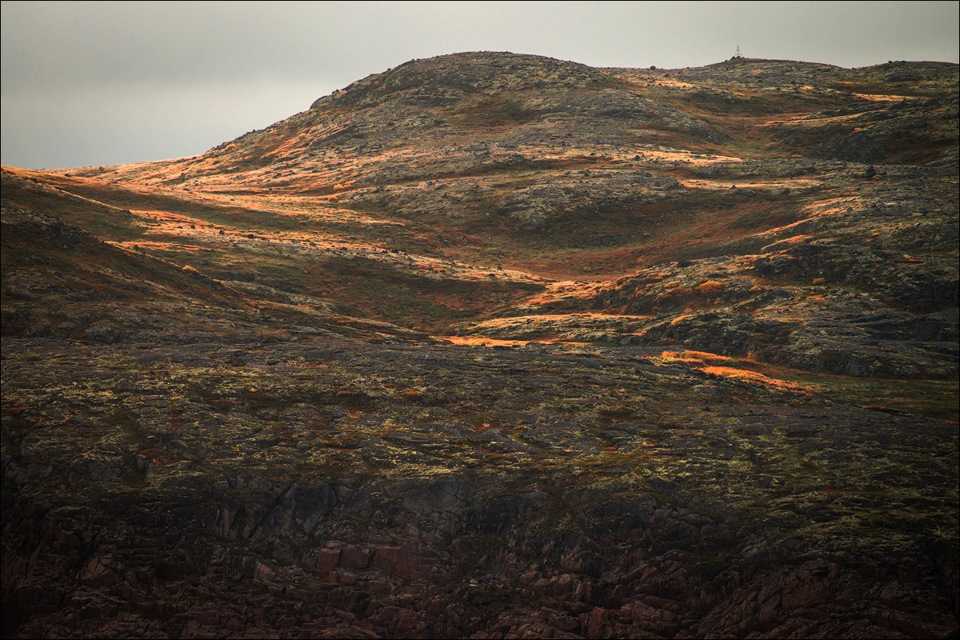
[500,345]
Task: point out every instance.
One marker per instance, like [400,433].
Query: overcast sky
[102,83]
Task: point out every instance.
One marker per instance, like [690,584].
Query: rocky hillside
[497,345]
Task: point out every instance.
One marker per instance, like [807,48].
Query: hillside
[497,345]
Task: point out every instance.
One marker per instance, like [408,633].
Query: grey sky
[101,83]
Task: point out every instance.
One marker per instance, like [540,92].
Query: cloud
[95,83]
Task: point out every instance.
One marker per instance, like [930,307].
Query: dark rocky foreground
[498,346]
[327,488]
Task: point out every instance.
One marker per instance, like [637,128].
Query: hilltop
[499,345]
[725,193]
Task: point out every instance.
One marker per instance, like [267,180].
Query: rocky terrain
[498,346]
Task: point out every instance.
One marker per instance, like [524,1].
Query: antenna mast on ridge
[738,52]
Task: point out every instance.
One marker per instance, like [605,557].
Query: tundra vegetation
[496,345]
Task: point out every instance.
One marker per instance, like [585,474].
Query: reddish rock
[355,558]
[396,561]
[595,622]
[325,560]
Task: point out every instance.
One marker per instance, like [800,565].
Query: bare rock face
[498,346]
